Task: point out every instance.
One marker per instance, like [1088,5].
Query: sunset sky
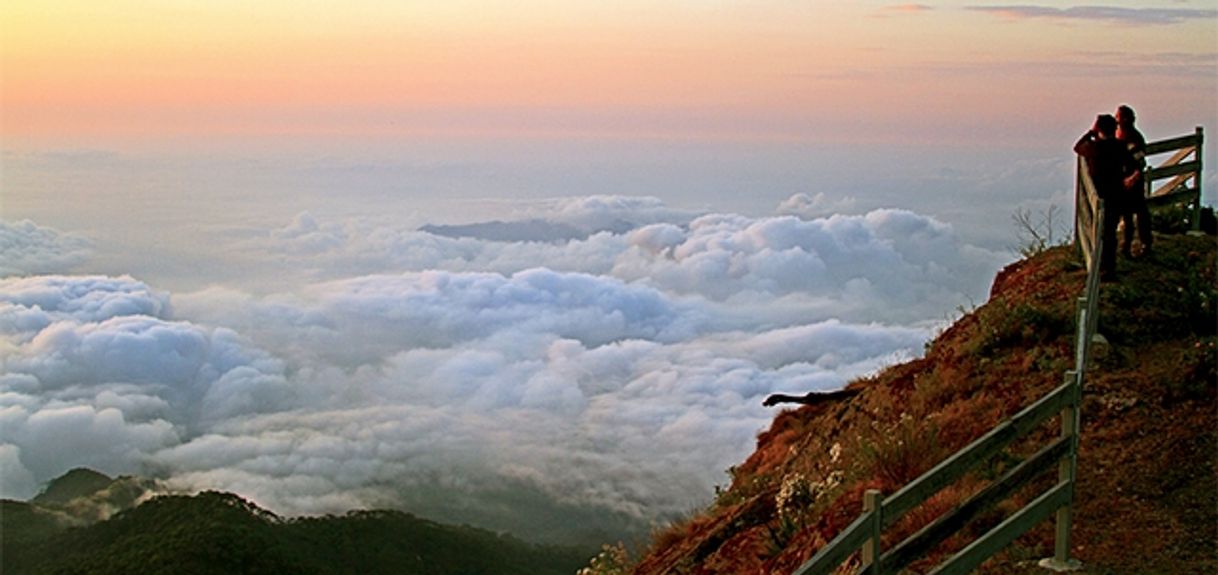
[141,75]
[528,265]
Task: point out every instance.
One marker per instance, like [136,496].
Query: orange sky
[143,72]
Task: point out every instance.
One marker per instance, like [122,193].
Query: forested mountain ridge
[221,533]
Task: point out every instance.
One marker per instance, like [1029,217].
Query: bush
[1001,324]
[899,454]
[1039,233]
[612,560]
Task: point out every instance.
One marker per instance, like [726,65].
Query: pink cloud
[1111,14]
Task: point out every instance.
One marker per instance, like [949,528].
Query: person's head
[1124,115]
[1105,125]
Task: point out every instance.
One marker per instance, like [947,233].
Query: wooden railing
[1182,172]
[879,512]
[1088,215]
[866,531]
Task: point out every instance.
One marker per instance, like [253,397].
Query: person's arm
[1135,164]
[1137,151]
[1085,144]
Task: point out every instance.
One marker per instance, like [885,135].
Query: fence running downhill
[880,512]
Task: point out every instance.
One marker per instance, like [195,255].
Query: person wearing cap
[1108,162]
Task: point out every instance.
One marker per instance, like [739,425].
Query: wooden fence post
[1067,470]
[871,549]
[1082,343]
[1197,181]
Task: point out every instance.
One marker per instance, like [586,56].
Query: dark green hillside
[208,533]
[79,482]
[396,542]
[220,533]
[25,524]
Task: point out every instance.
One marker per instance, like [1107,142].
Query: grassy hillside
[1147,494]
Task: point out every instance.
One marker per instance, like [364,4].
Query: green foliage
[780,535]
[898,453]
[1202,379]
[1173,294]
[1002,324]
[740,488]
[83,496]
[79,482]
[25,524]
[1172,218]
[795,505]
[221,533]
[724,495]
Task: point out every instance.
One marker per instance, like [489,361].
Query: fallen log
[811,398]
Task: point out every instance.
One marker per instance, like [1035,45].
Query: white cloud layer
[602,382]
[28,248]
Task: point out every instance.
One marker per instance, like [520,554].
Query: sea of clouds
[593,375]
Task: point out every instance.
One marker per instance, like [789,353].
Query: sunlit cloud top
[614,376]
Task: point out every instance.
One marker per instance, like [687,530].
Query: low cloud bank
[28,248]
[885,265]
[527,386]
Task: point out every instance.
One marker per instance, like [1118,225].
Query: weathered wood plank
[1178,195]
[999,537]
[871,547]
[945,526]
[1169,171]
[834,552]
[1176,157]
[1066,472]
[954,467]
[1097,245]
[1170,144]
[1087,213]
[1171,185]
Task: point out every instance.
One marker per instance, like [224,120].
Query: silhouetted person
[1108,162]
[1135,183]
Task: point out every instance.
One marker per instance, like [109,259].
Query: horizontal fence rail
[851,539]
[1007,531]
[1178,173]
[978,451]
[922,542]
[865,531]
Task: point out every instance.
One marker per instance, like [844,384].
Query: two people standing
[1115,152]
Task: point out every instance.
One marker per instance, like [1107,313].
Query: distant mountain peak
[515,231]
[79,482]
